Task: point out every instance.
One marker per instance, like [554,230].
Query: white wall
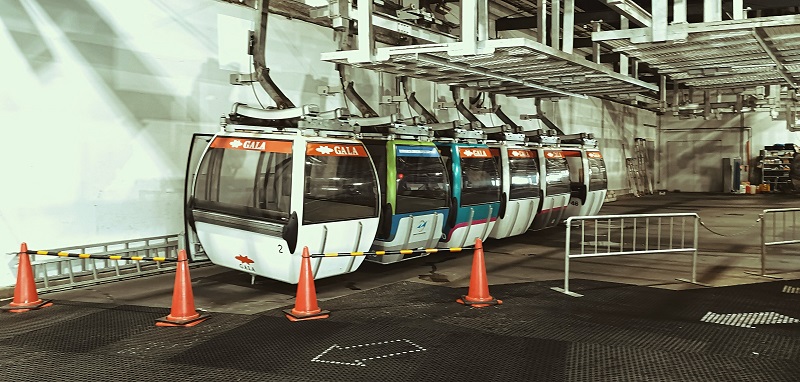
[100,98]
[760,130]
[614,125]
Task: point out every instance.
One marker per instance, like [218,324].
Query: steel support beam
[632,11]
[488,74]
[760,36]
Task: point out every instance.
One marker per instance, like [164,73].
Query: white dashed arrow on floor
[355,355]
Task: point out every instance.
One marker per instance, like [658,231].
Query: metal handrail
[651,243]
[793,239]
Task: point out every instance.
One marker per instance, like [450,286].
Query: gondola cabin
[588,179]
[519,174]
[415,191]
[475,192]
[555,187]
[261,194]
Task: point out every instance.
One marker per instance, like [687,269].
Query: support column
[366,42]
[738,11]
[569,25]
[676,97]
[483,20]
[679,12]
[541,21]
[712,10]
[555,27]
[596,25]
[660,15]
[623,59]
[469,24]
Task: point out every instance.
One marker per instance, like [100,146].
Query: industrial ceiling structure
[649,54]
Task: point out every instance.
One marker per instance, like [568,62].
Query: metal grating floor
[409,331]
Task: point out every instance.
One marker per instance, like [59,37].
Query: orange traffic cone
[25,296]
[182,312]
[478,295]
[305,306]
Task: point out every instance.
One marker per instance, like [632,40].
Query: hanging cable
[730,234]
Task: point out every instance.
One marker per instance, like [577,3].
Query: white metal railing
[778,227]
[613,235]
[58,273]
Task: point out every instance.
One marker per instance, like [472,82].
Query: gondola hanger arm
[414,103]
[257,49]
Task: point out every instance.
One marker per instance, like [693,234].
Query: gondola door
[520,188]
[339,209]
[475,190]
[414,196]
[255,206]
[579,182]
[191,242]
[588,181]
[598,181]
[555,186]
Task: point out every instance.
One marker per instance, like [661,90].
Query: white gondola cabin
[262,193]
[415,192]
[554,183]
[519,179]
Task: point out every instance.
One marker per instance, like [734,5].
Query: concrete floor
[535,256]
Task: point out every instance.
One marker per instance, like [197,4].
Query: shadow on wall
[117,65]
[105,52]
[26,36]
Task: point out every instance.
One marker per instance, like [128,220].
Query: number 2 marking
[280,248]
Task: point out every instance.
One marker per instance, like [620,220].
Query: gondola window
[524,178]
[480,180]
[557,177]
[421,179]
[598,180]
[340,184]
[246,182]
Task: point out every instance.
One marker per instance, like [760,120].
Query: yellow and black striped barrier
[384,253]
[102,257]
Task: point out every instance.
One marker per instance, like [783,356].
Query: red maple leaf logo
[244,259]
